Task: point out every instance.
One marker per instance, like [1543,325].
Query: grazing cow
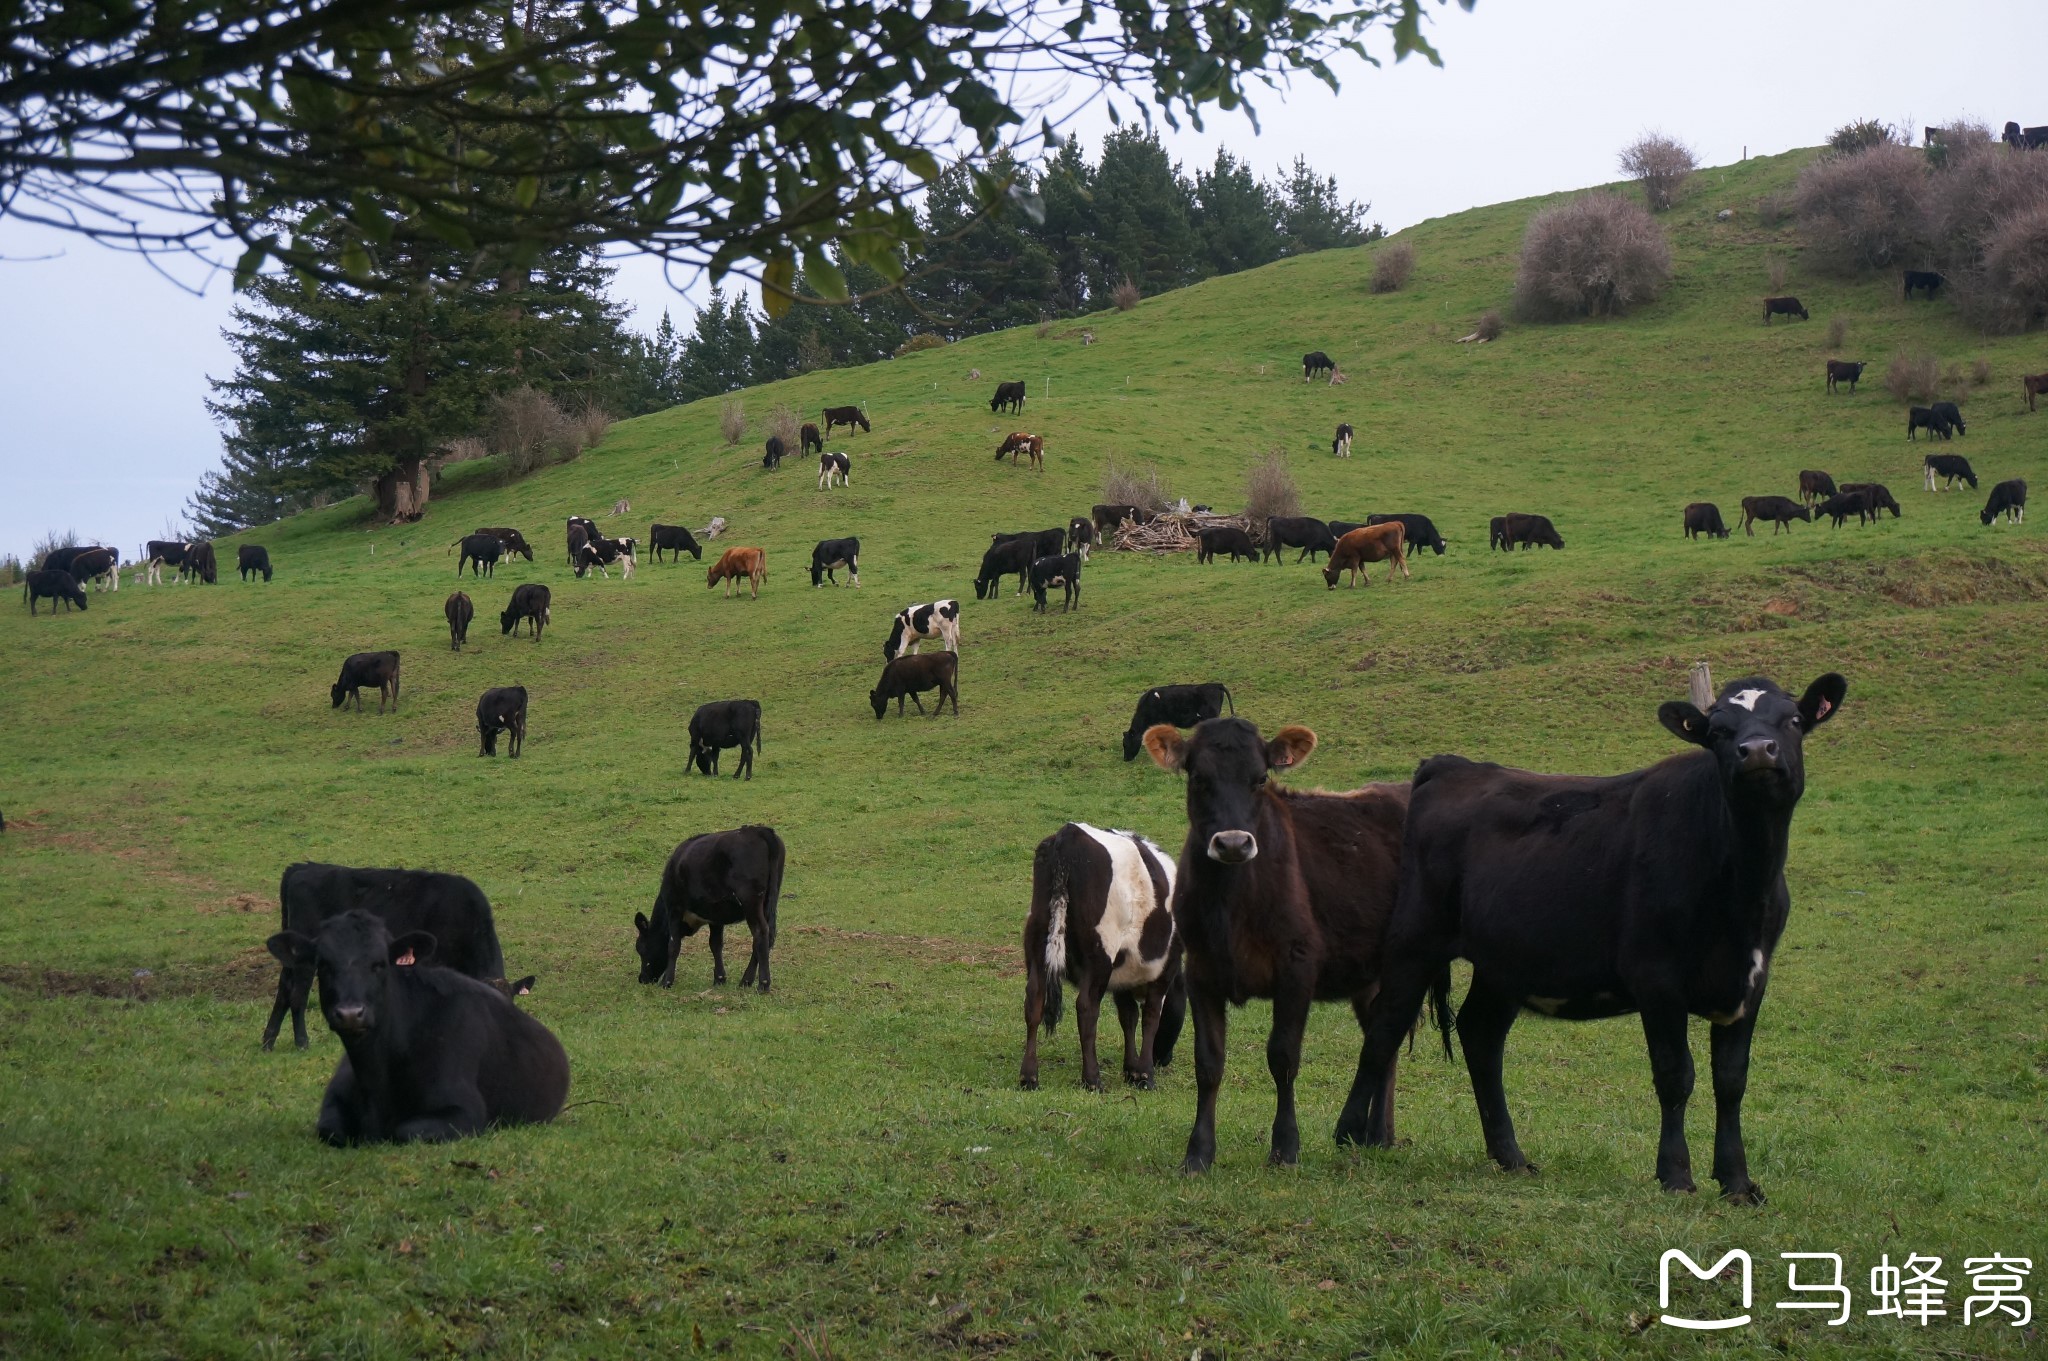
[912,676]
[832,554]
[1840,507]
[938,619]
[1950,412]
[1009,397]
[725,723]
[808,439]
[831,466]
[1843,371]
[1107,518]
[1925,279]
[1180,706]
[1421,531]
[530,603]
[848,416]
[1815,486]
[1102,919]
[1528,531]
[367,668]
[1783,307]
[1660,892]
[735,564]
[1704,518]
[200,564]
[1229,539]
[1877,494]
[1928,419]
[449,906]
[460,611]
[1017,442]
[1062,570]
[1949,467]
[1081,535]
[1780,510]
[1497,534]
[1280,894]
[97,565]
[159,554]
[480,553]
[1315,362]
[1004,557]
[1341,446]
[502,709]
[51,585]
[2025,139]
[252,558]
[715,879]
[601,553]
[674,539]
[1305,532]
[2032,386]
[2008,498]
[60,559]
[1044,542]
[581,531]
[510,541]
[430,1053]
[772,458]
[1375,543]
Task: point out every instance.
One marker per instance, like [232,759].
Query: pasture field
[845,1167]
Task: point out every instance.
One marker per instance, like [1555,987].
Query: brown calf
[737,563]
[1030,446]
[2032,386]
[1386,543]
[1815,486]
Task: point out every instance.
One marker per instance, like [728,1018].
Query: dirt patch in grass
[251,974]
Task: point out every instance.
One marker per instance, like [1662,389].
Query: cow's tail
[1050,871]
[774,894]
[1231,702]
[757,729]
[1440,1003]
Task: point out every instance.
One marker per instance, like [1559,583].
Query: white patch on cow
[1549,1006]
[1131,901]
[1056,933]
[1747,698]
[693,921]
[1756,969]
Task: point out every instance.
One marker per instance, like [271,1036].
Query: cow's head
[506,622]
[1226,763]
[880,701]
[1756,732]
[352,957]
[652,943]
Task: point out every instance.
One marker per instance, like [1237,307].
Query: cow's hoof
[1196,1165]
[1680,1186]
[1282,1157]
[301,1044]
[1142,1081]
[1093,1085]
[1746,1193]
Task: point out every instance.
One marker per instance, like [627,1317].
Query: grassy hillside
[845,1167]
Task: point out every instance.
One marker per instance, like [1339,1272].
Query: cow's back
[449,907]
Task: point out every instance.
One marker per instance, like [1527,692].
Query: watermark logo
[1705,1274]
[1913,1291]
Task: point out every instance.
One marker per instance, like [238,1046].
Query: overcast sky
[103,362]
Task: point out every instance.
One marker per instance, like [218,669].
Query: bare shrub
[464,449]
[1046,328]
[785,425]
[528,431]
[1979,189]
[1489,326]
[54,539]
[1980,373]
[1774,210]
[1391,266]
[1661,165]
[590,425]
[923,340]
[1953,385]
[1912,377]
[732,420]
[1954,141]
[1867,210]
[1597,255]
[1126,485]
[1838,332]
[2008,292]
[1861,135]
[1269,489]
[1125,295]
[1777,269]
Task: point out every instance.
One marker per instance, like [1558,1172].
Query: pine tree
[981,271]
[1142,205]
[1314,217]
[1236,217]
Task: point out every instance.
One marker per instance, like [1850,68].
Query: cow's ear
[291,948]
[414,947]
[640,921]
[1685,721]
[1289,747]
[1169,749]
[523,986]
[1821,699]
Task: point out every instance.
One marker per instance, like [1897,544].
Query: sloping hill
[173,749]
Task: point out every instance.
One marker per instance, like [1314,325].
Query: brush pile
[1174,531]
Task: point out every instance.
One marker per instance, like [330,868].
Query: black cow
[1009,397]
[832,554]
[1497,534]
[530,603]
[913,675]
[2025,139]
[725,723]
[1229,539]
[502,709]
[199,563]
[1183,706]
[1660,892]
[252,558]
[1780,510]
[1305,532]
[101,566]
[1062,570]
[1107,517]
[460,611]
[808,439]
[448,905]
[914,624]
[510,540]
[1421,531]
[1844,371]
[775,451]
[848,416]
[715,879]
[431,1053]
[1102,919]
[1948,467]
[1928,419]
[1044,542]
[1877,494]
[1925,279]
[52,585]
[2008,498]
[1315,362]
[159,554]
[675,539]
[1015,555]
[480,554]
[60,559]
[1529,531]
[1815,485]
[1081,535]
[581,531]
[1844,504]
[1783,307]
[1950,412]
[1704,518]
[367,668]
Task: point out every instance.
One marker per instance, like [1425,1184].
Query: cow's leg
[1483,1024]
[1283,1061]
[278,1008]
[675,947]
[460,1117]
[1130,1016]
[1372,1090]
[1671,1071]
[718,956]
[1212,1031]
[1730,1047]
[340,1121]
[1034,1011]
[1087,1012]
[915,700]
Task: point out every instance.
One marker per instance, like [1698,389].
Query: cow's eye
[1259,783]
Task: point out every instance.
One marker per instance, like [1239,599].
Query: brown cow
[735,563]
[1030,446]
[1815,486]
[2032,386]
[1386,543]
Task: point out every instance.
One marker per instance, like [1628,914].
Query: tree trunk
[402,493]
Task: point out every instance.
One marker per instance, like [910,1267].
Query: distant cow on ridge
[1783,307]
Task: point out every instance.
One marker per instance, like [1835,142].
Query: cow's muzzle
[352,1018]
[1758,754]
[1233,848]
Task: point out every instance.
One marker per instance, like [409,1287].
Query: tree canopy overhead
[761,138]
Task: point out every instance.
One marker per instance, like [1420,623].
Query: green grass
[845,1167]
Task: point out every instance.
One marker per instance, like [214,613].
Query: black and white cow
[1081,535]
[100,566]
[937,619]
[159,554]
[601,553]
[1315,362]
[834,466]
[1948,467]
[1341,446]
[1063,570]
[1102,919]
[1181,705]
[2008,498]
[832,554]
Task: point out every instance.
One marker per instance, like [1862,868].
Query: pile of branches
[1174,531]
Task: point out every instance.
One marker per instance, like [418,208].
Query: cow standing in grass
[1181,706]
[1843,371]
[914,624]
[2008,498]
[1374,543]
[502,709]
[674,539]
[460,610]
[365,669]
[848,416]
[1948,467]
[530,604]
[1703,518]
[715,879]
[832,554]
[53,586]
[739,564]
[909,677]
[1781,511]
[721,724]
